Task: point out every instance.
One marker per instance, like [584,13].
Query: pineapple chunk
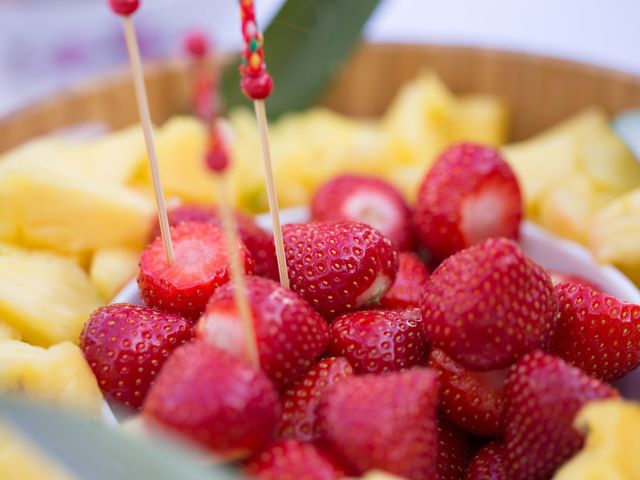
[47,298]
[7,332]
[482,119]
[111,269]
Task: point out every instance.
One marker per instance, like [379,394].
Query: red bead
[124,7]
[196,44]
[217,158]
[257,86]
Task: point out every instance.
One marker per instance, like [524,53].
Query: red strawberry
[409,285]
[300,400]
[596,332]
[210,397]
[339,267]
[258,241]
[542,396]
[293,460]
[454,452]
[366,200]
[488,305]
[557,278]
[375,341]
[472,400]
[385,421]
[488,464]
[126,345]
[291,335]
[200,266]
[470,194]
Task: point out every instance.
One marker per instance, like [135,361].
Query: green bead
[253,45]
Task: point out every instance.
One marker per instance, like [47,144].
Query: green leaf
[305,46]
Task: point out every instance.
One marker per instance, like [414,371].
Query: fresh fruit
[542,396]
[201,265]
[214,399]
[558,277]
[472,400]
[454,452]
[293,460]
[596,332]
[488,305]
[339,267]
[488,464]
[8,332]
[480,119]
[411,280]
[111,269]
[300,400]
[365,200]
[470,194]
[290,334]
[375,341]
[385,421]
[126,346]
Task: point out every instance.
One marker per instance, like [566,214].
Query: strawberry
[596,332]
[300,400]
[454,452]
[542,396]
[293,460]
[557,278]
[471,400]
[375,341]
[200,266]
[488,464]
[470,194]
[339,267]
[385,421]
[126,345]
[366,200]
[214,399]
[258,241]
[488,305]
[409,285]
[290,334]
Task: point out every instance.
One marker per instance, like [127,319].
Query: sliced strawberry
[454,452]
[291,334]
[293,460]
[339,267]
[542,396]
[596,332]
[488,464]
[488,305]
[366,200]
[300,400]
[375,341]
[200,267]
[385,421]
[259,242]
[472,400]
[470,194]
[126,345]
[409,285]
[210,397]
[557,278]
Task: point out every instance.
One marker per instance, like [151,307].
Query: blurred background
[48,44]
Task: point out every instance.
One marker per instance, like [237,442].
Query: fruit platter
[396,291]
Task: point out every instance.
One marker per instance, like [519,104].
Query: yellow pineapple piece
[47,298]
[482,119]
[7,332]
[111,269]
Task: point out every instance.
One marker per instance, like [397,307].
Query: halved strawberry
[375,341]
[339,267]
[542,396]
[596,332]
[300,400]
[201,265]
[366,200]
[557,278]
[385,421]
[470,194]
[488,305]
[488,464]
[409,285]
[293,460]
[472,400]
[454,451]
[290,334]
[214,399]
[126,345]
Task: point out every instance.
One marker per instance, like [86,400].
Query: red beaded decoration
[196,44]
[256,83]
[124,7]
[217,156]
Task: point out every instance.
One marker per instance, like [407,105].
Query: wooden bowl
[540,91]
